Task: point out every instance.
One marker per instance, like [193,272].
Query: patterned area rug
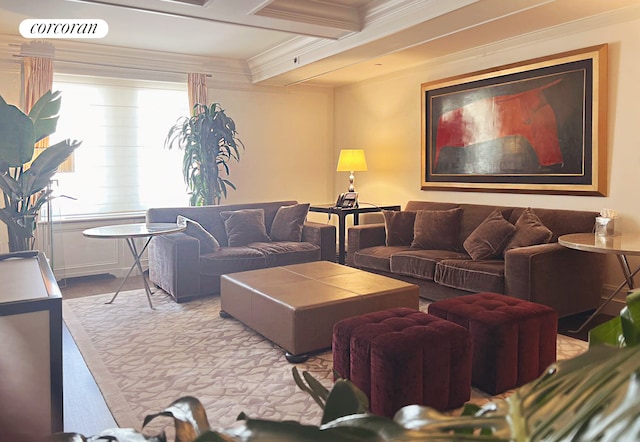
[144,359]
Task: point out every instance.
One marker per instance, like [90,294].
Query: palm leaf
[17,135]
[45,113]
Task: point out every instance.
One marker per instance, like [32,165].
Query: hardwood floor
[85,410]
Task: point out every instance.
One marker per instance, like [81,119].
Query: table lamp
[351,160]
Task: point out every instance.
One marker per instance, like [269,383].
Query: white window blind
[122,165]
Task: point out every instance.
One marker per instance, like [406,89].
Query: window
[122,164]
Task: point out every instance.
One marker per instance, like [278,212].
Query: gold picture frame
[539,126]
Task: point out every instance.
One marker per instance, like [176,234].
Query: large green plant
[622,330]
[25,189]
[209,141]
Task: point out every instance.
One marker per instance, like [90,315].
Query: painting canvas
[537,126]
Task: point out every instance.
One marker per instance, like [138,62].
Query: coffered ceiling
[325,42]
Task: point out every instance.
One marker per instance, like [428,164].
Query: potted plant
[25,187]
[209,141]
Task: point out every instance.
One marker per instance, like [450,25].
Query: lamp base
[352,188]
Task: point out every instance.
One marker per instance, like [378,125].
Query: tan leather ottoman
[296,306]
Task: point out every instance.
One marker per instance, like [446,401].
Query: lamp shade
[351,160]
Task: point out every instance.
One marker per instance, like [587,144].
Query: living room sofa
[232,238]
[514,253]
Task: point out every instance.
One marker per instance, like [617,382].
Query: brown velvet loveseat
[434,249]
[232,238]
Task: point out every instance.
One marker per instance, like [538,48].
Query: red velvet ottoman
[514,340]
[402,356]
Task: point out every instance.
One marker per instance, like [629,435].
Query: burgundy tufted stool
[402,356]
[514,340]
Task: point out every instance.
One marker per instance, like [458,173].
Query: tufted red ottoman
[514,340]
[402,356]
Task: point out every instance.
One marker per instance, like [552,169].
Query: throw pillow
[244,226]
[490,237]
[436,229]
[288,222]
[529,231]
[399,227]
[208,242]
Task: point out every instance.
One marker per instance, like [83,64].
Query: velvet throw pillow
[490,237]
[399,227]
[244,227]
[436,229]
[288,222]
[208,242]
[529,231]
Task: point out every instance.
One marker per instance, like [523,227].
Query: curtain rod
[112,66]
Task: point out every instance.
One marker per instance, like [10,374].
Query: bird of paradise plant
[25,187]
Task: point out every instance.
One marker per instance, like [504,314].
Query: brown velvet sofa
[189,264]
[567,280]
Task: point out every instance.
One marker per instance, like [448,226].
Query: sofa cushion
[282,253]
[244,226]
[436,229]
[399,227]
[231,260]
[529,231]
[208,242]
[490,237]
[420,263]
[288,222]
[473,276]
[376,258]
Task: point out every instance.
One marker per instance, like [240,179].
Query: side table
[129,232]
[342,213]
[619,245]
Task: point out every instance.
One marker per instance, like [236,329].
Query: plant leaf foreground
[592,397]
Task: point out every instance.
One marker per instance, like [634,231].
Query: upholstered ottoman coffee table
[514,340]
[400,356]
[296,306]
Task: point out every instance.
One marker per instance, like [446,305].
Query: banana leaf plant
[26,188]
[209,140]
[592,397]
[622,330]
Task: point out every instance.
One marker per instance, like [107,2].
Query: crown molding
[73,57]
[312,12]
[512,47]
[380,19]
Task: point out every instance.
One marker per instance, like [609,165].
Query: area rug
[143,359]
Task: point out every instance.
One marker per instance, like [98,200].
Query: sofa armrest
[568,280]
[174,264]
[323,235]
[364,236]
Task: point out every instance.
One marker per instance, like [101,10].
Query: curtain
[197,85]
[38,79]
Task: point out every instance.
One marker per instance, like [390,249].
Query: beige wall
[382,116]
[288,134]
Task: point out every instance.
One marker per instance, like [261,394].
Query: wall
[383,116]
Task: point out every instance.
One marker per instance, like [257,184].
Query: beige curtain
[38,79]
[197,84]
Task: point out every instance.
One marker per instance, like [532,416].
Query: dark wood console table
[342,215]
